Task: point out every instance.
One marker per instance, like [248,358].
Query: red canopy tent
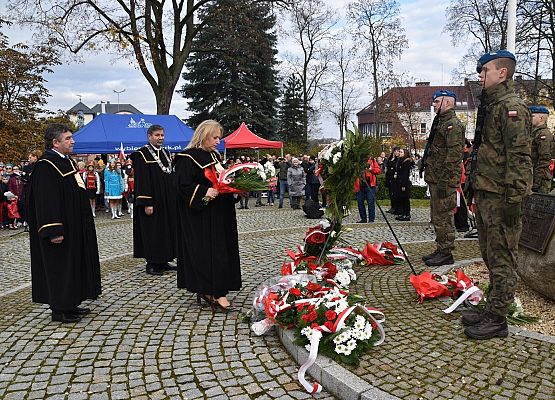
[243,138]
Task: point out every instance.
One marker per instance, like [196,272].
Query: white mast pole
[511,26]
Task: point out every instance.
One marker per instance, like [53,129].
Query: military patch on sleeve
[450,127]
[513,113]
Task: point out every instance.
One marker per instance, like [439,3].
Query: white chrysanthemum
[343,278]
[324,223]
[351,344]
[359,325]
[342,349]
[336,157]
[269,169]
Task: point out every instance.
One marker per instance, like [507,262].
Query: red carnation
[311,316]
[295,292]
[331,270]
[329,325]
[315,236]
[330,315]
[314,325]
[313,287]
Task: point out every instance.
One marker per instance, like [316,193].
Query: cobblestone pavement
[147,340]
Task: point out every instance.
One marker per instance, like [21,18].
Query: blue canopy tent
[107,132]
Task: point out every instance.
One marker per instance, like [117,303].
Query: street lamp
[118,93]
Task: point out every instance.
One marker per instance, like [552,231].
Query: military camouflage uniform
[503,178]
[541,158]
[444,166]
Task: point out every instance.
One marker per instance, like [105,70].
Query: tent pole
[282,151]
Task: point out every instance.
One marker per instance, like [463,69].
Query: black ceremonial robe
[208,245]
[153,236]
[62,274]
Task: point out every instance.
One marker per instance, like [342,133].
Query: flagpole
[511,26]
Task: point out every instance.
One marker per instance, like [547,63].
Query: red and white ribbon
[473,293]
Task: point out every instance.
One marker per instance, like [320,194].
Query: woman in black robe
[402,184]
[208,248]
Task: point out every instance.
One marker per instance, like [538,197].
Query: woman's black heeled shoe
[207,299]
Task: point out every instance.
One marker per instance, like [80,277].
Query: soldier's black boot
[431,255]
[491,326]
[441,258]
[472,316]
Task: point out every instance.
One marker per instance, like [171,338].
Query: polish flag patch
[513,113]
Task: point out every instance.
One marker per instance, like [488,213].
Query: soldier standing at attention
[501,179]
[442,174]
[542,140]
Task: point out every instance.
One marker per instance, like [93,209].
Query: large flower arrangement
[312,294]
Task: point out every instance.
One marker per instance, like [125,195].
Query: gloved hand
[511,213]
[443,190]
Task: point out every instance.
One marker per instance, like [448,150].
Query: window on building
[423,127]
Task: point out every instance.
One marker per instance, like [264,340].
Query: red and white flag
[121,152]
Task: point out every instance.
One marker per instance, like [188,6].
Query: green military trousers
[499,249]
[443,218]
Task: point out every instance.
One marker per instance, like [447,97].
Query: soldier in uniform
[541,150]
[155,213]
[442,173]
[501,179]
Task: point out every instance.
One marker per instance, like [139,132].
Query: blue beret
[539,110]
[493,55]
[446,93]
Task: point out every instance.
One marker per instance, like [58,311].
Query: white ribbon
[314,344]
[466,294]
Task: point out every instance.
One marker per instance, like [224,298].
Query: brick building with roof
[407,112]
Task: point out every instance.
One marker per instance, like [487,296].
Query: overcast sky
[430,57]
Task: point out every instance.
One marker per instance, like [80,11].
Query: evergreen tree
[291,112]
[231,76]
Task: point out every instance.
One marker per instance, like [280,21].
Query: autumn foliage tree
[22,96]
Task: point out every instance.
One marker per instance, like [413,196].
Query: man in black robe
[65,269]
[154,218]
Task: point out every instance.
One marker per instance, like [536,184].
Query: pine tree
[231,76]
[291,112]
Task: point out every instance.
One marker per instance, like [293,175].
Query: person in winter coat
[391,167]
[92,184]
[113,187]
[365,188]
[402,185]
[296,181]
